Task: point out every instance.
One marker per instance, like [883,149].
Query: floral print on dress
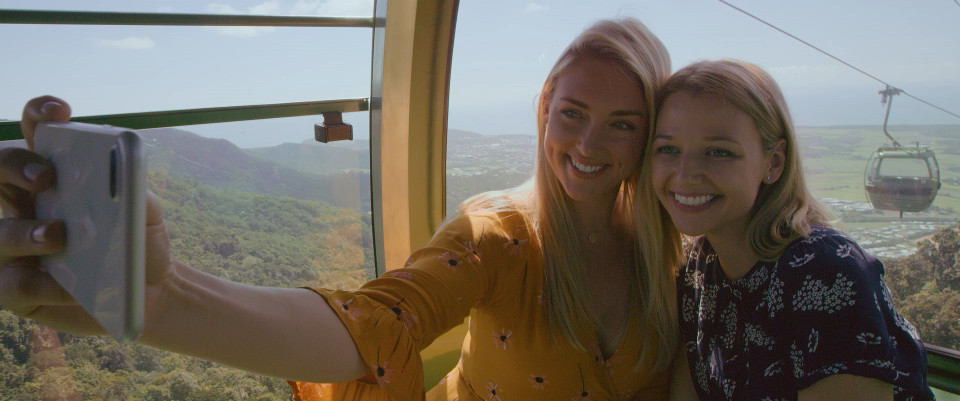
[814,295]
[844,250]
[773,297]
[868,338]
[383,372]
[404,275]
[473,251]
[688,309]
[405,317]
[708,302]
[801,260]
[813,340]
[754,336]
[773,369]
[510,359]
[502,339]
[493,392]
[352,313]
[515,244]
[584,395]
[538,381]
[451,259]
[820,309]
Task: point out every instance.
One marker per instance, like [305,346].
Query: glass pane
[904,167]
[125,69]
[353,8]
[505,49]
[289,214]
[258,202]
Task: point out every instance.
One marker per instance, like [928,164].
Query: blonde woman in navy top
[774,303]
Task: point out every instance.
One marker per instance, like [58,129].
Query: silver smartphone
[100,196]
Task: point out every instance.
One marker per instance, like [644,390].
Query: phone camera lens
[113,172]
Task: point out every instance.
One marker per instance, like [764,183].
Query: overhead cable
[838,59]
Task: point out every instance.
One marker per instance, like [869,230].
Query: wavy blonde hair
[785,209]
[628,44]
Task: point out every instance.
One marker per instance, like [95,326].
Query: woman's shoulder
[497,233]
[827,253]
[487,223]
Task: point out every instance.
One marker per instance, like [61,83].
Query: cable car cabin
[394,184]
[902,179]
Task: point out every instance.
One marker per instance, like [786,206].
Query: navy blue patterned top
[820,309]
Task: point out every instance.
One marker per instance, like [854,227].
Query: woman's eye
[720,153]
[666,150]
[624,126]
[570,113]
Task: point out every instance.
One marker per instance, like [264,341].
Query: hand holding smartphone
[100,196]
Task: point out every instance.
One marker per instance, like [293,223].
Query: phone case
[99,195]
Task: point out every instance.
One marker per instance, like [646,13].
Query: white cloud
[267,8]
[243,31]
[130,42]
[217,8]
[325,8]
[333,8]
[535,7]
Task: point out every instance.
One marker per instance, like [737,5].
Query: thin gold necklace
[593,237]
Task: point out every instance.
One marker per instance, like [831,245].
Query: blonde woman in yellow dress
[564,301]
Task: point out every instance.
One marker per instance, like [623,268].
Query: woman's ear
[544,106]
[777,161]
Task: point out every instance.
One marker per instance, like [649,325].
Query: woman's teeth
[693,200]
[586,168]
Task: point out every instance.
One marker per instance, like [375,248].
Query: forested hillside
[246,237]
[295,215]
[926,287]
[221,164]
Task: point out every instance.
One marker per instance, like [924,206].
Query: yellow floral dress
[484,265]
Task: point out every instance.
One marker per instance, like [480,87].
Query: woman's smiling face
[596,126]
[708,164]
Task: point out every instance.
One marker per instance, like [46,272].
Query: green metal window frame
[944,363]
[10,130]
[157,119]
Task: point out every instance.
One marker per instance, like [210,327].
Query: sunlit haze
[503,50]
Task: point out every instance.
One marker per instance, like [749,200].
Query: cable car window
[904,167]
[836,109]
[259,202]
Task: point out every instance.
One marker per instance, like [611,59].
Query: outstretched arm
[283,332]
[847,388]
[288,333]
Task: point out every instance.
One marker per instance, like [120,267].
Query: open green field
[835,158]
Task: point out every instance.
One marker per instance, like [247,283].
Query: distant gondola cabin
[902,179]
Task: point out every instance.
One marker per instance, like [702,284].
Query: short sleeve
[840,321]
[393,317]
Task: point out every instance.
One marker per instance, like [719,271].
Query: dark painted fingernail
[33,170]
[46,107]
[39,234]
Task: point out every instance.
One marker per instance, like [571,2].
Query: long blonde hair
[785,209]
[630,45]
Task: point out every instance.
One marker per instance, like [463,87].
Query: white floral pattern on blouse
[820,309]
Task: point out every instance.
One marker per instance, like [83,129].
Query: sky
[502,53]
